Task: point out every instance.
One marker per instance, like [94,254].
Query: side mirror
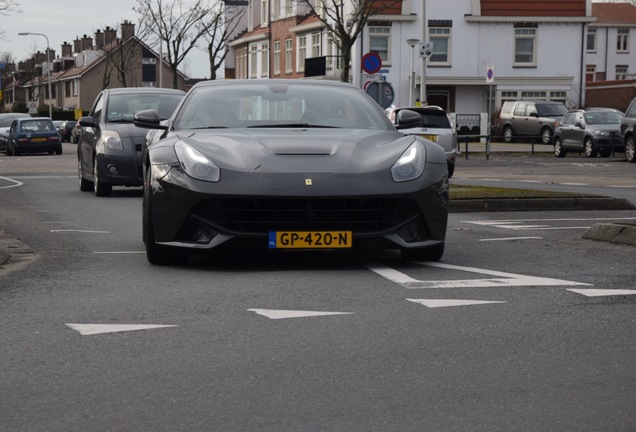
[87,122]
[407,119]
[149,119]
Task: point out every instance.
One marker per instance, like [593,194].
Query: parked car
[66,130]
[536,120]
[437,126]
[238,167]
[33,135]
[109,152]
[5,124]
[593,131]
[627,131]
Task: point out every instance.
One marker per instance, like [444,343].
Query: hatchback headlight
[195,164]
[601,133]
[411,164]
[111,140]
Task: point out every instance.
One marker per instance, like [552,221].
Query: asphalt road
[523,325]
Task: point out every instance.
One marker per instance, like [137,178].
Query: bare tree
[178,26]
[7,6]
[344,22]
[225,23]
[122,58]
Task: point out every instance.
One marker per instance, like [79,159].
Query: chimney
[110,35]
[127,30]
[100,40]
[77,45]
[39,57]
[87,43]
[67,50]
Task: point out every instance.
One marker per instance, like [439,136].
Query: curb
[539,204]
[621,233]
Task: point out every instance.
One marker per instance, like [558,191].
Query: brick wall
[610,94]
[533,8]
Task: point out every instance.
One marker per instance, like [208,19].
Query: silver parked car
[535,120]
[593,131]
[436,126]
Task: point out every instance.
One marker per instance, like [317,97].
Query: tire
[630,149]
[84,185]
[58,151]
[433,253]
[100,189]
[508,134]
[157,255]
[558,148]
[9,150]
[546,135]
[588,148]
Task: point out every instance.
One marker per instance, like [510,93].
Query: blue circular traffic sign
[371,63]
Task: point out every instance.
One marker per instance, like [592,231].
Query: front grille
[262,215]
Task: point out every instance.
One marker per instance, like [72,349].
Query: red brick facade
[565,8]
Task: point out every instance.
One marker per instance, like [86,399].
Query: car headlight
[411,164]
[195,164]
[601,133]
[111,140]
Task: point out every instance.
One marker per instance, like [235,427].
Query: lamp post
[48,68]
[412,43]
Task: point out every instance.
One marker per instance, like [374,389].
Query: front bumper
[120,168]
[242,208]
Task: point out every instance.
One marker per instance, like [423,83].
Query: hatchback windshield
[599,118]
[123,107]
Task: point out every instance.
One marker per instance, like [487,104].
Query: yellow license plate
[38,139]
[310,239]
[430,137]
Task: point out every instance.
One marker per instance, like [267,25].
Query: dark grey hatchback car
[109,150]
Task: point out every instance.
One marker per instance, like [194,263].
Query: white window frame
[591,40]
[264,13]
[621,72]
[316,39]
[276,57]
[275,9]
[301,52]
[591,71]
[439,33]
[250,15]
[289,49]
[622,41]
[525,34]
[265,60]
[376,33]
[253,61]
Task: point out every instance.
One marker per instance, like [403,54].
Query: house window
[265,60]
[621,72]
[440,38]
[76,84]
[379,42]
[288,56]
[302,53]
[253,61]
[264,13]
[315,44]
[525,46]
[275,9]
[276,57]
[250,15]
[591,40]
[590,73]
[622,38]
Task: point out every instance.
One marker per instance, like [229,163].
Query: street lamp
[48,68]
[412,43]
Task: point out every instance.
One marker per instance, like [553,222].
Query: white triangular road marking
[435,303]
[92,329]
[602,292]
[280,314]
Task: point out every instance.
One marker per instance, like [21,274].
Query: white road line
[437,303]
[282,314]
[603,292]
[15,183]
[80,231]
[511,238]
[502,279]
[93,329]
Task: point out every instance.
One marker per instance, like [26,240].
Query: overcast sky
[65,20]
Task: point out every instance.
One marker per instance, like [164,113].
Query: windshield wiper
[293,125]
[210,127]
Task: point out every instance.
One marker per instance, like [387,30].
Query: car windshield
[279,105]
[552,110]
[435,119]
[600,118]
[123,107]
[37,126]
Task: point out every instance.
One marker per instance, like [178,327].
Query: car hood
[604,127]
[301,150]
